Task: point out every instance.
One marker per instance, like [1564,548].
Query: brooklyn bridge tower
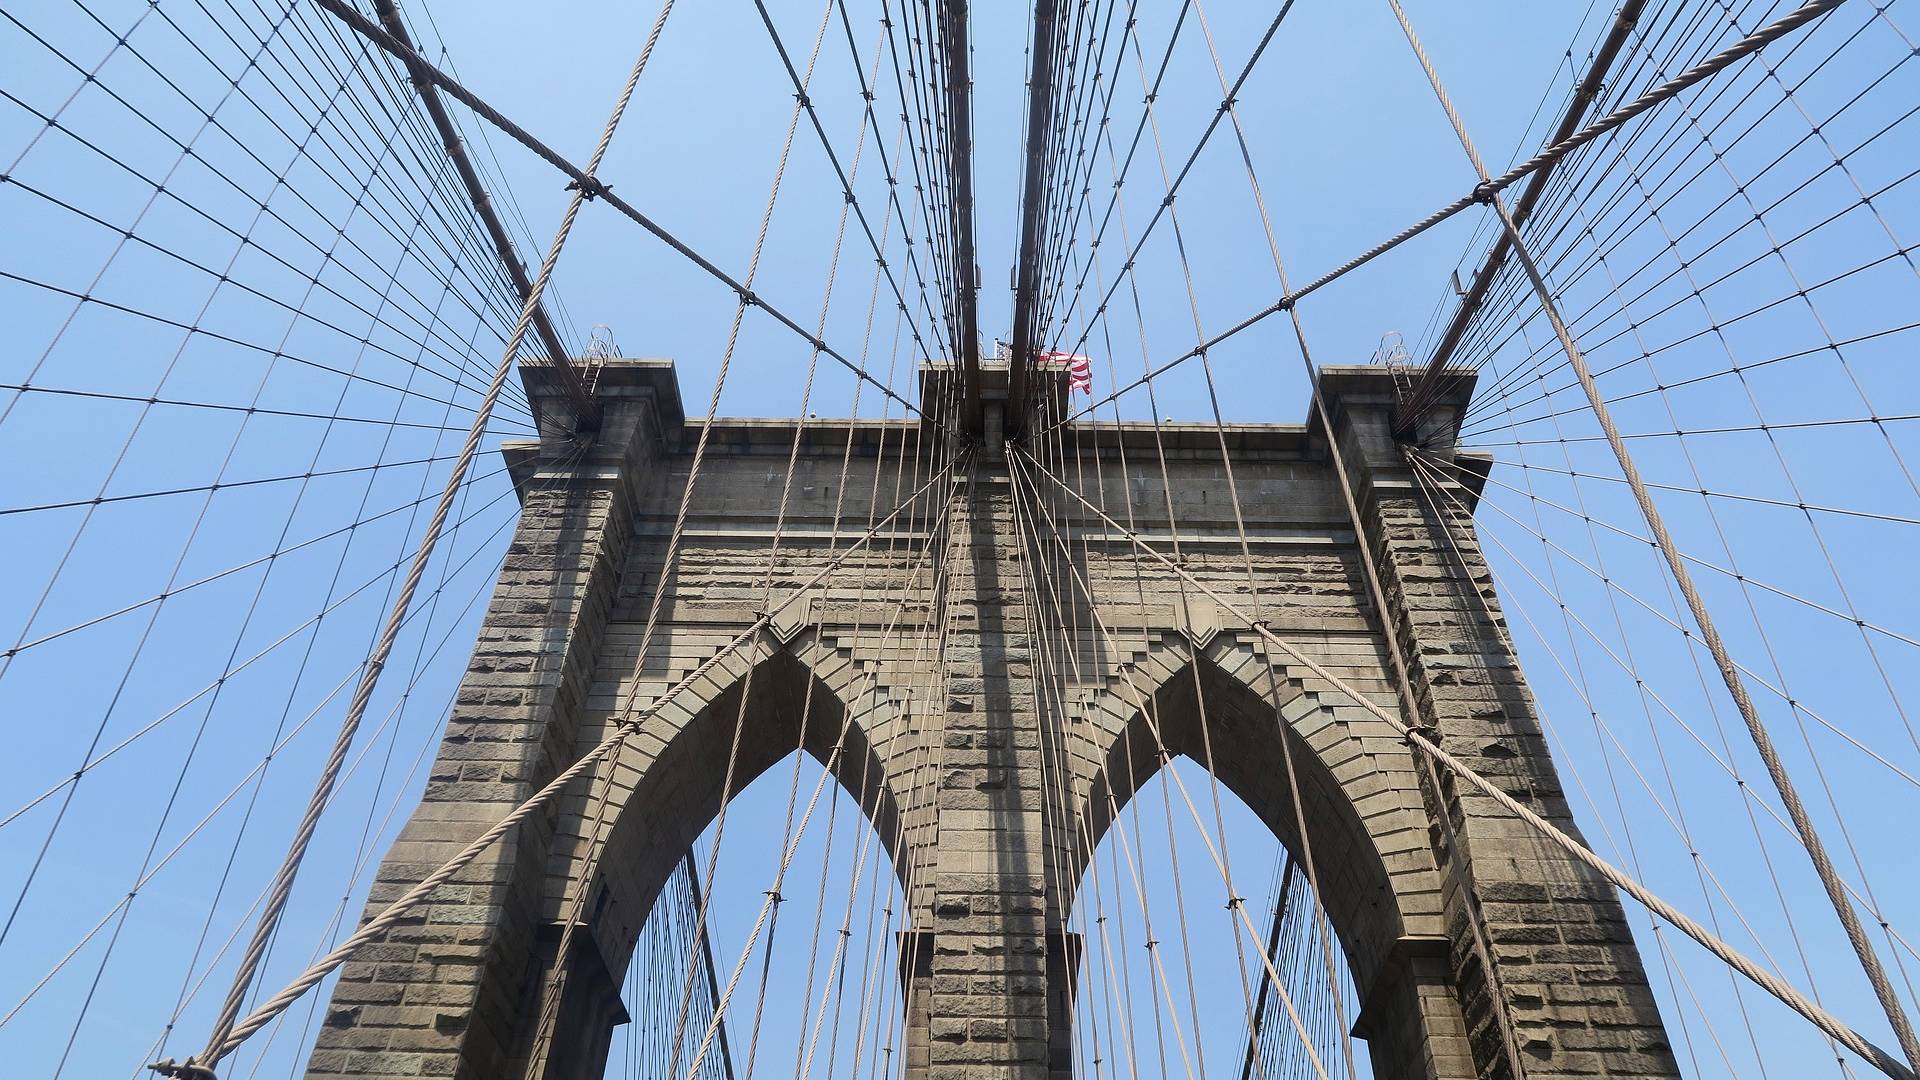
[1064,739]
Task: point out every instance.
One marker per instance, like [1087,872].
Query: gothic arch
[988,962]
[667,782]
[661,793]
[1360,799]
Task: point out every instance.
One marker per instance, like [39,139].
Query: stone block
[981,824]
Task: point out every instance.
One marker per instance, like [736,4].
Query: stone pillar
[1564,963]
[454,989]
[991,972]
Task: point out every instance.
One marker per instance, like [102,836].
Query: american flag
[1079,369]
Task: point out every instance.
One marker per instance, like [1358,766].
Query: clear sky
[1743,241]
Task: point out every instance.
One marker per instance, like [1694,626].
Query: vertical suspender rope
[398,910]
[376,661]
[1169,184]
[719,825]
[706,961]
[1760,976]
[1709,632]
[1666,91]
[556,984]
[1142,704]
[789,849]
[1410,702]
[1273,946]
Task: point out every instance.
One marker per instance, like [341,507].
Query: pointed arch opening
[807,985]
[673,777]
[769,757]
[1206,749]
[1172,982]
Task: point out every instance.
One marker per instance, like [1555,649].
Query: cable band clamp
[182,1070]
[590,187]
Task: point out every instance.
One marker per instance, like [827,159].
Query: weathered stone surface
[991,731]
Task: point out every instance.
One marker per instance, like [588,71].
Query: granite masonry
[991,702]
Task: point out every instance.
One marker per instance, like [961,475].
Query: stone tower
[950,755]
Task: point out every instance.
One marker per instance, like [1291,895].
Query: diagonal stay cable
[399,909]
[846,181]
[222,485]
[1488,189]
[1676,151]
[1749,795]
[1455,521]
[592,187]
[1779,691]
[267,558]
[324,136]
[1731,496]
[1824,1020]
[376,661]
[200,331]
[1179,178]
[234,669]
[1721,758]
[565,372]
[1763,741]
[298,414]
[149,873]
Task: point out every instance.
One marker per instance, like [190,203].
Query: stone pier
[988,788]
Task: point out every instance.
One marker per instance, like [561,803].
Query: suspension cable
[1709,632]
[1849,1038]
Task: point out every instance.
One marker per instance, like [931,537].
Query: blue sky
[1349,146]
